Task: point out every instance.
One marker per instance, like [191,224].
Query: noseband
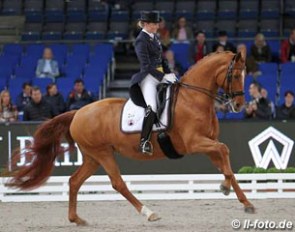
[229,94]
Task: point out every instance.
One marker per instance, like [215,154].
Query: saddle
[133,113]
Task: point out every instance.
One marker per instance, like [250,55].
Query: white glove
[170,78]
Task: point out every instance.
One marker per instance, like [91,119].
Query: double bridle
[229,93]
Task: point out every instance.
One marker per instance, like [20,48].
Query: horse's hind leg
[88,167]
[110,165]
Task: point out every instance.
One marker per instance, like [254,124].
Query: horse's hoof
[154,217]
[250,209]
[225,190]
[81,222]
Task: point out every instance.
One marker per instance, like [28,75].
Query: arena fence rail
[157,187]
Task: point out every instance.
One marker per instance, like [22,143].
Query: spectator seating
[269,79]
[287,81]
[91,63]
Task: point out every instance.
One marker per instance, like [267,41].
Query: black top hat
[222,33]
[150,16]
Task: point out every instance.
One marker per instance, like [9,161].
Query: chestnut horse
[96,130]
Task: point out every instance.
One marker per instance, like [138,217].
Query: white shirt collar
[150,34]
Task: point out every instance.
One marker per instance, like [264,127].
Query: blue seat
[65,85]
[33,16]
[80,50]
[94,72]
[35,50]
[119,16]
[42,83]
[270,9]
[269,79]
[73,70]
[220,115]
[106,49]
[95,35]
[227,9]
[205,10]
[289,8]
[12,7]
[287,81]
[5,71]
[234,116]
[52,35]
[3,82]
[24,73]
[268,68]
[181,54]
[93,86]
[13,49]
[100,61]
[31,36]
[275,49]
[79,60]
[54,16]
[76,16]
[249,9]
[73,35]
[9,60]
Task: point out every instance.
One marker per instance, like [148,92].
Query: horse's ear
[242,54]
[238,57]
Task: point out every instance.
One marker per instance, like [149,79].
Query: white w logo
[271,153]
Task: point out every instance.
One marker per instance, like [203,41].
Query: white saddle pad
[132,116]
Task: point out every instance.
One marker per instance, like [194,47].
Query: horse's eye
[236,76]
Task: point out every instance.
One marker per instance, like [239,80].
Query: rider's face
[152,27]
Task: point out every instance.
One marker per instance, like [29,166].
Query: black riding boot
[146,146]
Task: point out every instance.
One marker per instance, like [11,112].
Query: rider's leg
[149,90]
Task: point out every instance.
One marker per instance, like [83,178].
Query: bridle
[229,94]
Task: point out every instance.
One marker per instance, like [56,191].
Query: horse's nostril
[238,105]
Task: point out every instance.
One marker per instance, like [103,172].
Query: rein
[221,98]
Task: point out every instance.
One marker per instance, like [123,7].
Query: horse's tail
[43,152]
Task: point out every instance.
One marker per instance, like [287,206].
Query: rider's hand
[170,78]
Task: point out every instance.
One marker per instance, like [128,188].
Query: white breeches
[148,88]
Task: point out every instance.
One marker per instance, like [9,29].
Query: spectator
[47,66]
[199,47]
[223,41]
[259,107]
[264,94]
[8,112]
[79,96]
[55,99]
[24,97]
[38,109]
[260,51]
[164,35]
[251,65]
[182,32]
[173,65]
[288,48]
[220,48]
[286,110]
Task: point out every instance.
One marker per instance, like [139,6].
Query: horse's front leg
[219,155]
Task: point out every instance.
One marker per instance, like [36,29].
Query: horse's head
[233,81]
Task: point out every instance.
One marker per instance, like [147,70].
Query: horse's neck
[201,78]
